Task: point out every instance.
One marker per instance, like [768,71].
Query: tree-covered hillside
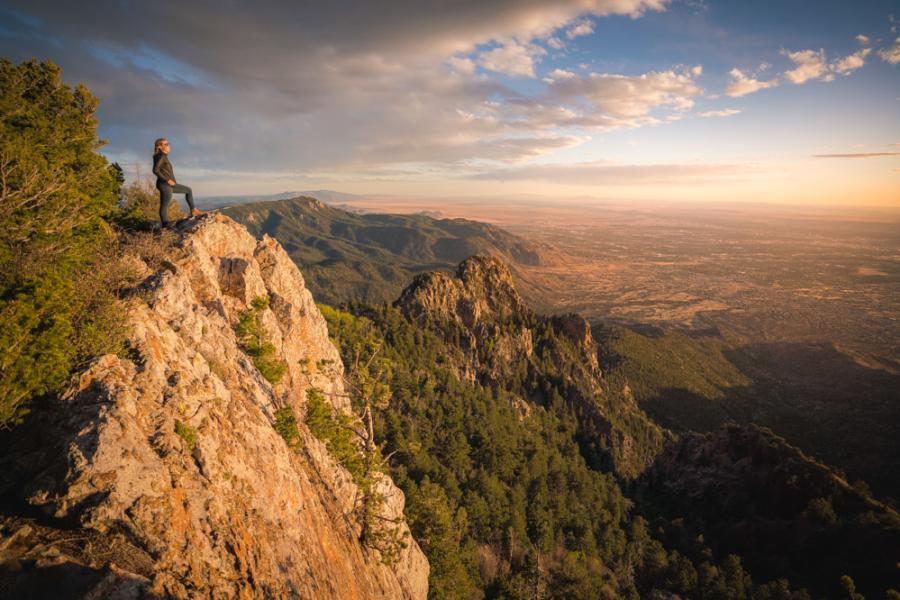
[513,494]
[346,255]
[500,496]
[818,398]
[745,491]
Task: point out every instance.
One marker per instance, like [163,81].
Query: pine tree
[55,193]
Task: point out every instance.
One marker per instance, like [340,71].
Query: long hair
[157,144]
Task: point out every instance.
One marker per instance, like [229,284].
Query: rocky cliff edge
[172,451]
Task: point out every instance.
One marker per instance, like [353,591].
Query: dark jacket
[162,168]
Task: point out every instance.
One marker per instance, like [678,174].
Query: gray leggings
[165,196]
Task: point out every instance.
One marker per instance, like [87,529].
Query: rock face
[505,344]
[174,448]
[481,291]
[478,308]
[578,330]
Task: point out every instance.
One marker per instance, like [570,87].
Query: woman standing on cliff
[165,181]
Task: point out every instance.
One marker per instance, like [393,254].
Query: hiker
[165,181]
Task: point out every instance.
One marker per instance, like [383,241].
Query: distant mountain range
[346,255]
[328,196]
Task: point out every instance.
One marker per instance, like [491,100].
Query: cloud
[850,63]
[726,112]
[512,58]
[286,86]
[461,149]
[862,39]
[555,43]
[891,54]
[603,173]
[233,37]
[811,64]
[556,74]
[858,155]
[625,97]
[461,64]
[581,28]
[743,84]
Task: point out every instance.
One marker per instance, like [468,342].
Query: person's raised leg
[188,196]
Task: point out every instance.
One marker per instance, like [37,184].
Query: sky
[794,102]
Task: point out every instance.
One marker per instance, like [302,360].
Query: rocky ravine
[236,512]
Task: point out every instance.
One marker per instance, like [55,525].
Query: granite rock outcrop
[173,449]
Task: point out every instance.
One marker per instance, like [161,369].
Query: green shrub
[254,340]
[270,368]
[334,430]
[821,510]
[286,426]
[58,305]
[188,434]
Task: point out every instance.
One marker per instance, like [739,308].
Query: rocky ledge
[172,451]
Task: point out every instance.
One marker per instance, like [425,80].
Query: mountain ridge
[373,256]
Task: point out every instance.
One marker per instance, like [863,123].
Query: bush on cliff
[350,437]
[57,308]
[334,429]
[254,339]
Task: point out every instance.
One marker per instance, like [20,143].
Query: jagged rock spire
[482,289]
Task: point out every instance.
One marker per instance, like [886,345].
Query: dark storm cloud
[246,86]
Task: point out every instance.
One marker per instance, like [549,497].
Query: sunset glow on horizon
[681,100]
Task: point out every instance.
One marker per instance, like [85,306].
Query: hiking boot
[195,212]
